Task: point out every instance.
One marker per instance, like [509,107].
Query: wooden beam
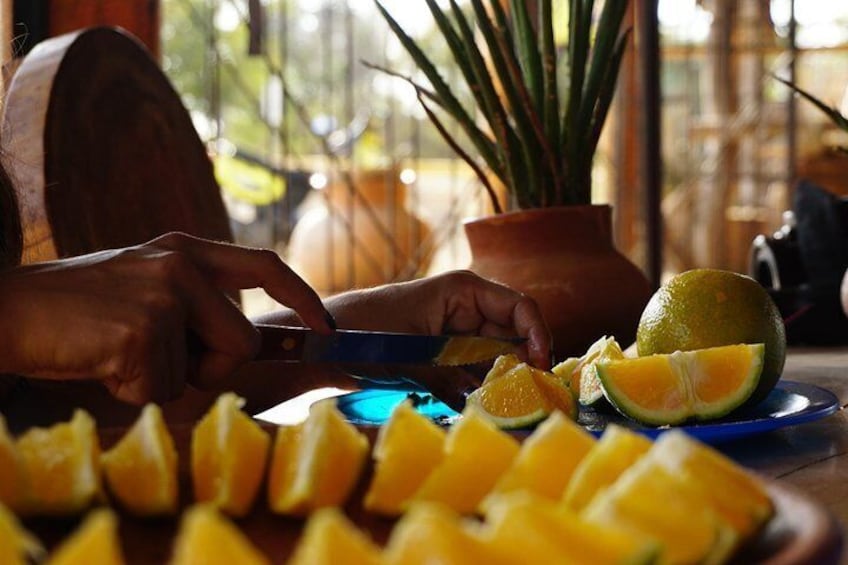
[139,17]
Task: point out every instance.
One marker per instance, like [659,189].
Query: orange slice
[95,542]
[671,388]
[229,451]
[317,463]
[431,533]
[546,460]
[408,447]
[732,492]
[141,469]
[477,453]
[62,466]
[330,538]
[206,537]
[522,396]
[17,546]
[525,528]
[617,450]
[648,502]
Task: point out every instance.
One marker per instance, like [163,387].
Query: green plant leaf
[550,117]
[481,81]
[606,42]
[831,112]
[448,101]
[528,52]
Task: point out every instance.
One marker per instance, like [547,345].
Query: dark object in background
[802,266]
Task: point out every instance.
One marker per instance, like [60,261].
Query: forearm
[397,307]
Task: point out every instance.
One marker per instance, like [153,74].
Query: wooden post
[139,17]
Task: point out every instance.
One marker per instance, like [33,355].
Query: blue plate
[789,404]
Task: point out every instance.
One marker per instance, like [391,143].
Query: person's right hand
[123,316]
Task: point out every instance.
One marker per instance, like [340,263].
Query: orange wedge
[617,450]
[408,447]
[330,538]
[206,537]
[522,396]
[95,542]
[431,533]
[477,453]
[17,546]
[229,452]
[547,459]
[525,528]
[141,469]
[62,466]
[317,463]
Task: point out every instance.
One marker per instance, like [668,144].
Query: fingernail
[330,321]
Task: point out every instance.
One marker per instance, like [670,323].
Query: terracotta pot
[348,242]
[565,259]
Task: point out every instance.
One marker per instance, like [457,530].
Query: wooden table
[812,456]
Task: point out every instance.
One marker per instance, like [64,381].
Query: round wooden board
[801,532]
[103,152]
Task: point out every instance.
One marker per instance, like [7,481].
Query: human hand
[458,302]
[122,316]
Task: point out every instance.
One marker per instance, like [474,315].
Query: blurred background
[336,166]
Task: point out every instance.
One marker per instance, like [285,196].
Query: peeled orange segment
[646,501]
[529,529]
[61,465]
[431,533]
[669,389]
[229,451]
[571,369]
[317,463]
[463,350]
[17,546]
[329,538]
[408,447]
[501,366]
[590,390]
[522,396]
[616,450]
[206,537]
[95,542]
[546,460]
[141,469]
[727,488]
[477,453]
[12,485]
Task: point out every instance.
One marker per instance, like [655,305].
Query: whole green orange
[711,307]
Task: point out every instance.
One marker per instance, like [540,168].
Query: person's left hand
[457,302]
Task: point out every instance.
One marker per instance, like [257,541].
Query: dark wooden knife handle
[280,344]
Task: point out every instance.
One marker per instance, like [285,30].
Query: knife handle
[278,344]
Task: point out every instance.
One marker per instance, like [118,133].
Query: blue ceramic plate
[790,403]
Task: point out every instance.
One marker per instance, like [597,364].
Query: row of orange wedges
[676,495]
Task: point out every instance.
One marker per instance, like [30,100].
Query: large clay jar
[564,258]
[359,239]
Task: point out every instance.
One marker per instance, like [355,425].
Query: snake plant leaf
[831,112]
[549,73]
[605,46]
[492,106]
[451,104]
[528,52]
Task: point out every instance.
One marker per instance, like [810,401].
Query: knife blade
[302,345]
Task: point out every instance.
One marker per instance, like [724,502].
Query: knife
[302,345]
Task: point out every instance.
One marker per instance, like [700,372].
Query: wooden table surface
[811,456]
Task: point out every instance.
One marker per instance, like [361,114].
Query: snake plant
[538,107]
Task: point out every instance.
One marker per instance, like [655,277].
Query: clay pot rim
[523,214]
